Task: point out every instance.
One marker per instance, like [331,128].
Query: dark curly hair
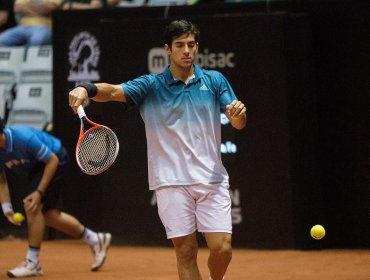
[178,28]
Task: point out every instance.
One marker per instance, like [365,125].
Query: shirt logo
[203,87]
[15,162]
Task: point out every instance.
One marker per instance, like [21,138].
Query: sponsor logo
[15,162]
[224,119]
[221,60]
[203,87]
[83,57]
[228,148]
[236,210]
[158,60]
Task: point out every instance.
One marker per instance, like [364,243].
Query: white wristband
[7,207]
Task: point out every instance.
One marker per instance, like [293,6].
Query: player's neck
[182,74]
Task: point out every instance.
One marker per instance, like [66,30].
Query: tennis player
[43,159]
[181,110]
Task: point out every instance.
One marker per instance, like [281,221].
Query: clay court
[69,259]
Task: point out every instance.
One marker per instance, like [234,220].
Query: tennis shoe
[100,250]
[26,269]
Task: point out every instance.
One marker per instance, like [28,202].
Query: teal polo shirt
[182,125]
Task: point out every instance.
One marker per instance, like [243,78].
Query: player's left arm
[33,200]
[236,112]
[4,189]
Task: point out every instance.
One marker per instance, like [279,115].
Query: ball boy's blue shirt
[182,125]
[26,147]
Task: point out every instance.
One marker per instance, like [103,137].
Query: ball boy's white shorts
[186,209]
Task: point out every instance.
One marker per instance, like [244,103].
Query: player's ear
[167,49]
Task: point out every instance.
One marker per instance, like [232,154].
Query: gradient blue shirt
[182,125]
[26,147]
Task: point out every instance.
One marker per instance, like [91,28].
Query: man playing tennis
[181,110]
[42,158]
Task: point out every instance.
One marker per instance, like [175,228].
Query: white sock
[33,254]
[90,237]
[210,278]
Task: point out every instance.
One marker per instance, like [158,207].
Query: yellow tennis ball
[317,232]
[18,217]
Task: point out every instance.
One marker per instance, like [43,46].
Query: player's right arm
[4,190]
[5,198]
[105,93]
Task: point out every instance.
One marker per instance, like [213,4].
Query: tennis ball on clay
[317,232]
[18,217]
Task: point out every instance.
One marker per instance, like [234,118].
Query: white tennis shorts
[202,207]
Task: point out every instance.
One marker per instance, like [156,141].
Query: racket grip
[81,112]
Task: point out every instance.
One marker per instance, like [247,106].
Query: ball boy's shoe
[100,250]
[26,269]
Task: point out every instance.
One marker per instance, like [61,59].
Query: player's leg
[176,209]
[52,202]
[214,220]
[68,224]
[220,255]
[186,248]
[36,227]
[64,222]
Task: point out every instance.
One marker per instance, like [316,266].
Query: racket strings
[98,150]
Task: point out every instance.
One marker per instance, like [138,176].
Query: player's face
[183,51]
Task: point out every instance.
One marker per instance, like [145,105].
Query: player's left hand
[235,110]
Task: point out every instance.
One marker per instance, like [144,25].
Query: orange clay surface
[70,259]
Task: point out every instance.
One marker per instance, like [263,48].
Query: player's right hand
[9,215]
[78,96]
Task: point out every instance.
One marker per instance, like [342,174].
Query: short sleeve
[136,90]
[38,150]
[227,94]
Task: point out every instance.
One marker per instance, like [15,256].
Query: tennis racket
[97,146]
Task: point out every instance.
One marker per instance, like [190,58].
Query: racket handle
[81,112]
